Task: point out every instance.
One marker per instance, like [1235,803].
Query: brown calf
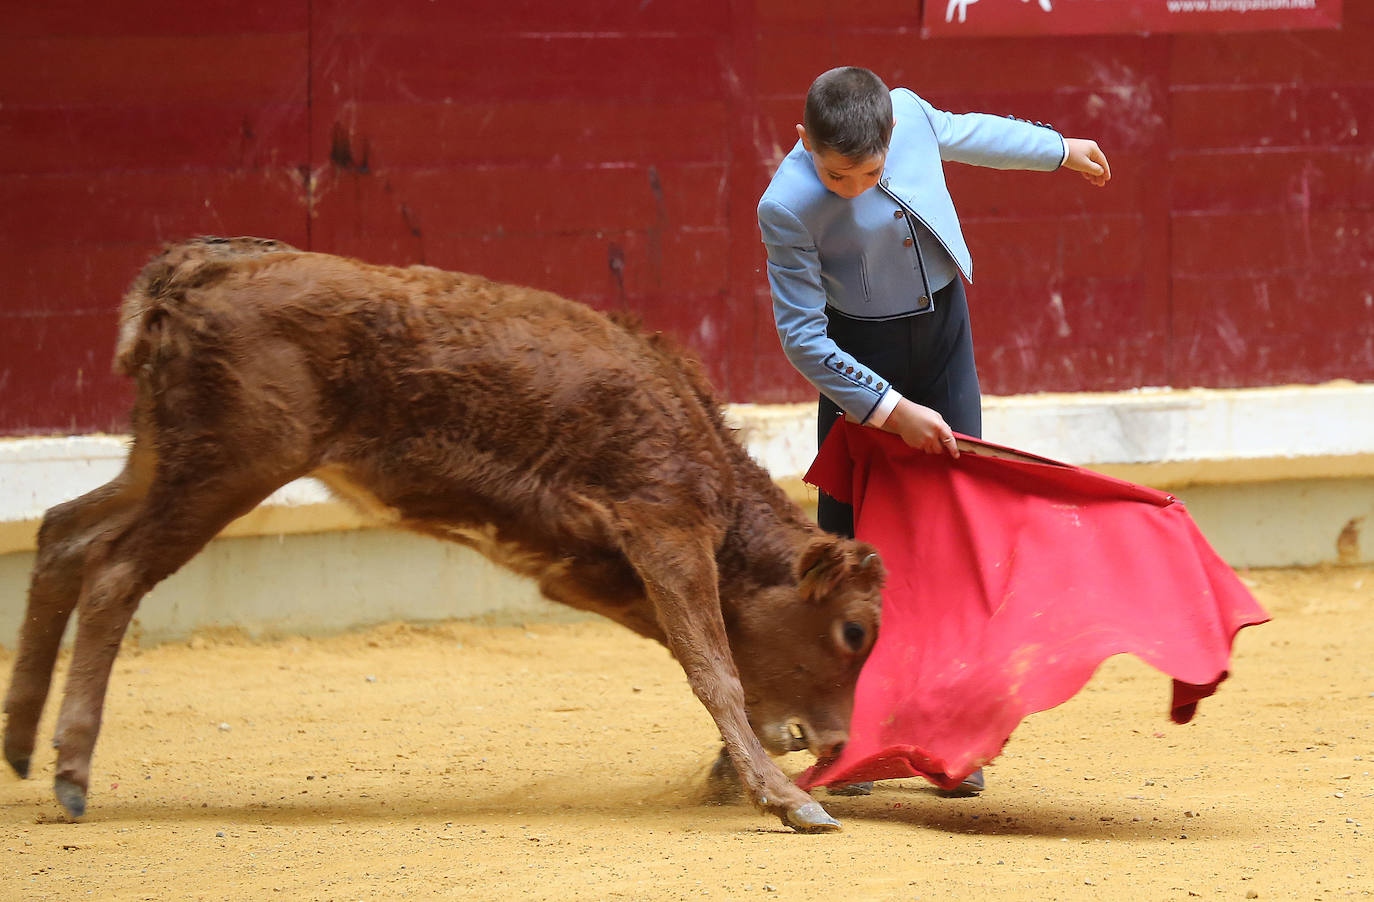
[569,448]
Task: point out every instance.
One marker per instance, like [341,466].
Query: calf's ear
[829,560]
[820,568]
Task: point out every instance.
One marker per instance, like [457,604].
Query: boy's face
[841,175]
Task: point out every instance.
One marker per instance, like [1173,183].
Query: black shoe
[972,785]
[851,789]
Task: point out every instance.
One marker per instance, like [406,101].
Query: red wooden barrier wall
[613,151]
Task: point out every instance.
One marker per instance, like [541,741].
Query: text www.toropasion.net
[1236,6]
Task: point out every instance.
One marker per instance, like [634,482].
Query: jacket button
[906,242]
[879,386]
[896,214]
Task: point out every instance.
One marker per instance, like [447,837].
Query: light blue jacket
[853,255]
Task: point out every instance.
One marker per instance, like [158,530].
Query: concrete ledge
[1172,438]
[1165,438]
[37,473]
[272,586]
[1274,477]
[1158,437]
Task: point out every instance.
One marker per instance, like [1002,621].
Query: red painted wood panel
[56,373]
[375,17]
[136,70]
[614,151]
[1062,335]
[73,244]
[607,270]
[1278,57]
[1282,181]
[76,211]
[1238,330]
[991,194]
[532,134]
[496,200]
[584,151]
[1262,116]
[122,128]
[440,67]
[47,140]
[75,18]
[1264,243]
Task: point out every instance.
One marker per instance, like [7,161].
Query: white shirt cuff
[885,407]
[1066,150]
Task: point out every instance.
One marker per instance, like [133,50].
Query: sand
[568,761]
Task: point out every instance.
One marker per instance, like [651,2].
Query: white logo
[961,7]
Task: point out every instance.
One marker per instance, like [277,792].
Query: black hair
[849,112]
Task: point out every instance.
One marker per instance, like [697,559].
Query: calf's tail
[161,286]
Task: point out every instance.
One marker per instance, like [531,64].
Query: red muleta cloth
[1009,582]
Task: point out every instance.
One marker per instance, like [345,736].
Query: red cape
[1010,579]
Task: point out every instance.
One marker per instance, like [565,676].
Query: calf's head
[799,648]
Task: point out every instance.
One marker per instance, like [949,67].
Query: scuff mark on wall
[1262,299]
[1348,542]
[1130,100]
[342,155]
[1230,334]
[412,224]
[1300,195]
[658,229]
[1061,318]
[615,260]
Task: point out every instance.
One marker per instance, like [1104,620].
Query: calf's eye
[854,635]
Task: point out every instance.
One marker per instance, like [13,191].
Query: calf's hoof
[71,797]
[811,818]
[19,762]
[722,782]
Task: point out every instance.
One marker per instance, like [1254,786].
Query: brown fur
[577,451]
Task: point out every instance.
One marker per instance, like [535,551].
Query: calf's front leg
[681,584]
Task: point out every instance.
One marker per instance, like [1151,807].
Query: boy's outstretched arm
[1086,157]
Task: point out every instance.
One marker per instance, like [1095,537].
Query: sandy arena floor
[567,761]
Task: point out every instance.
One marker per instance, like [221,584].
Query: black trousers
[928,357]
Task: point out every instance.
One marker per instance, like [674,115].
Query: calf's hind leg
[172,523]
[69,532]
